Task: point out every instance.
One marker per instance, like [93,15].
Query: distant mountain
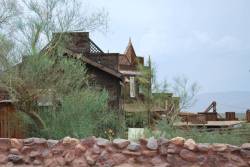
[237,101]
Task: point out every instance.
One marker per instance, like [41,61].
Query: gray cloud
[208,40]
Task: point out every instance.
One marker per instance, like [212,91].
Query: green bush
[235,136]
[81,114]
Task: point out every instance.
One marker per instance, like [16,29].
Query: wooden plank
[211,124]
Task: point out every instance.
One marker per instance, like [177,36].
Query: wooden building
[115,72]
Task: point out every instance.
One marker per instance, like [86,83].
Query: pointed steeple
[130,53]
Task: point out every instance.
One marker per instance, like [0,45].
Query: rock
[46,153]
[152,144]
[121,143]
[96,149]
[188,155]
[39,141]
[141,159]
[111,149]
[34,154]
[51,143]
[143,141]
[238,160]
[163,141]
[14,151]
[232,148]
[133,146]
[26,149]
[4,144]
[245,146]
[88,142]
[9,164]
[79,149]
[104,156]
[149,153]
[15,158]
[132,153]
[60,160]
[69,156]
[245,153]
[28,141]
[173,149]
[3,159]
[15,143]
[57,151]
[203,147]
[190,144]
[102,142]
[90,160]
[219,147]
[79,162]
[178,141]
[125,165]
[50,162]
[118,158]
[70,141]
[163,165]
[163,150]
[37,162]
[156,161]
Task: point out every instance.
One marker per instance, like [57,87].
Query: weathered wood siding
[106,81]
[10,123]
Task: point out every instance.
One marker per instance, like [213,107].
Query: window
[132,86]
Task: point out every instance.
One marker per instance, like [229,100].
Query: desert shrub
[136,119]
[81,114]
[235,136]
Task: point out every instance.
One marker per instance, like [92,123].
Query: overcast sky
[206,40]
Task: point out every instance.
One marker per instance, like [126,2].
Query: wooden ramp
[211,124]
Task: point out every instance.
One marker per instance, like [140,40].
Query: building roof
[129,56]
[129,72]
[94,64]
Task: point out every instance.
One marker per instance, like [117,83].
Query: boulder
[190,144]
[133,146]
[188,155]
[245,146]
[152,144]
[178,141]
[102,142]
[121,143]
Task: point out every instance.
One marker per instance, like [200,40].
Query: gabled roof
[129,56]
[93,63]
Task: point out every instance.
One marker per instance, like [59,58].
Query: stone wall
[121,153]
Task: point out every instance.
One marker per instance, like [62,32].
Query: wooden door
[10,123]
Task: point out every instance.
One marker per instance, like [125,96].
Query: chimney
[77,42]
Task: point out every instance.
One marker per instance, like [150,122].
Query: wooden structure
[248,115]
[230,116]
[210,116]
[211,124]
[115,72]
[214,115]
[193,118]
[10,123]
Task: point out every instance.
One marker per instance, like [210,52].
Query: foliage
[81,114]
[136,119]
[186,91]
[41,73]
[235,136]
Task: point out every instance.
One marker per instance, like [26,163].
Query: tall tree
[46,72]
